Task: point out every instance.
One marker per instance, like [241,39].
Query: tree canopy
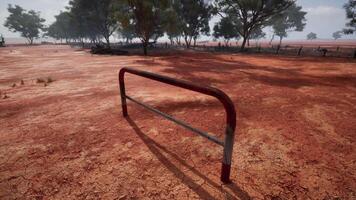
[251,14]
[337,35]
[61,28]
[312,36]
[98,20]
[226,29]
[194,17]
[350,8]
[291,19]
[28,23]
[147,17]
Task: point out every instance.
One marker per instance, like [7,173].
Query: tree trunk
[171,40]
[280,40]
[243,43]
[187,42]
[145,44]
[270,42]
[107,42]
[30,40]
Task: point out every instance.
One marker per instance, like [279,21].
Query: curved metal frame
[228,143]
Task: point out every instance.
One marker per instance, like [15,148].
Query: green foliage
[249,14]
[226,29]
[350,8]
[94,18]
[2,41]
[193,18]
[257,34]
[337,35]
[172,25]
[312,36]
[292,19]
[127,32]
[147,17]
[28,23]
[61,28]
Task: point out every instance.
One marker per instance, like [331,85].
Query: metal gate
[228,142]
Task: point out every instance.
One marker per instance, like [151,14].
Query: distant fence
[292,50]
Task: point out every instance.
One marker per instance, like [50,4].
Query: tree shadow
[158,150]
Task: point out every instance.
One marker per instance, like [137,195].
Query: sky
[324,16]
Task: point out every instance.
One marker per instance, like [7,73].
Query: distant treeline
[183,21]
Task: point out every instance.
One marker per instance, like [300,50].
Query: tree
[225,29]
[337,35]
[350,8]
[249,14]
[311,36]
[81,28]
[173,26]
[146,16]
[28,23]
[292,19]
[194,18]
[61,28]
[127,32]
[256,34]
[97,16]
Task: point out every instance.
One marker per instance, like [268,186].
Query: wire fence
[291,50]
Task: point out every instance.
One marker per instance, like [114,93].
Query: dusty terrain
[295,139]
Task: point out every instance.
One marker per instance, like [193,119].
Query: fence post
[300,50]
[355,53]
[325,50]
[227,157]
[123,93]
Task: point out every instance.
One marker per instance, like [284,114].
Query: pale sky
[324,16]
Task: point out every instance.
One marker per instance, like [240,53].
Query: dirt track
[295,139]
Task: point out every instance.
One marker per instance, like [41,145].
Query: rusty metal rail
[228,142]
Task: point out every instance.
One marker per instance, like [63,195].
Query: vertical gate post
[227,155]
[123,93]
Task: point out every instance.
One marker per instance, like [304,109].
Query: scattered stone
[129,144]
[13,85]
[22,82]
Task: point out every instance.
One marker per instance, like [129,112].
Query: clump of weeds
[45,81]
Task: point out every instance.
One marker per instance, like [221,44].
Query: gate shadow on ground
[158,150]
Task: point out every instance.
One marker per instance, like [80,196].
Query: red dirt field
[295,136]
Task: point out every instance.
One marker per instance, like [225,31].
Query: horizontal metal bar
[185,125]
[214,92]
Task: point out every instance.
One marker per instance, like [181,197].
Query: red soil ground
[295,136]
